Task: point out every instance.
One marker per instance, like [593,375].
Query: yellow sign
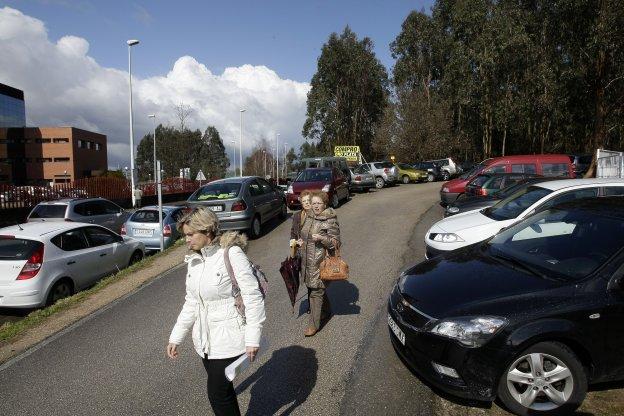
[351,153]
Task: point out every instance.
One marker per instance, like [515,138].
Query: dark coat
[313,253]
[295,229]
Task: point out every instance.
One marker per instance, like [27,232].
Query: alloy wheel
[430,177]
[335,201]
[379,183]
[405,179]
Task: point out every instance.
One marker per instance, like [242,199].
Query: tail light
[123,230]
[483,192]
[167,230]
[239,206]
[386,170]
[33,264]
[358,178]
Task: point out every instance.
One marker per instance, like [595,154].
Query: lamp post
[277,158]
[264,152]
[234,156]
[131,43]
[240,150]
[285,166]
[153,117]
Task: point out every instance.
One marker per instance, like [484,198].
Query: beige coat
[313,253]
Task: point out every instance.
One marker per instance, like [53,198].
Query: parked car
[42,262]
[434,173]
[531,317]
[464,229]
[143,225]
[339,163]
[486,184]
[241,203]
[386,174]
[545,165]
[361,179]
[408,174]
[580,164]
[90,210]
[471,203]
[448,168]
[329,180]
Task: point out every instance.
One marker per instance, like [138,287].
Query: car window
[404,166]
[48,211]
[146,216]
[570,196]
[255,189]
[110,208]
[472,172]
[81,209]
[554,169]
[70,240]
[516,203]
[220,190]
[361,169]
[314,176]
[496,169]
[97,236]
[510,180]
[614,190]
[266,187]
[94,208]
[523,168]
[495,183]
[479,180]
[16,248]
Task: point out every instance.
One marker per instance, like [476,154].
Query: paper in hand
[241,364]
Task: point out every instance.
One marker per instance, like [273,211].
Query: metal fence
[609,164]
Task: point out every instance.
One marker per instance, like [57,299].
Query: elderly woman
[300,216]
[320,232]
[220,333]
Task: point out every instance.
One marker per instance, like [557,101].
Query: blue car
[143,226]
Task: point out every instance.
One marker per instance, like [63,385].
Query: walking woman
[320,232]
[220,333]
[300,216]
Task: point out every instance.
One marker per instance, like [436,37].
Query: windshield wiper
[521,265]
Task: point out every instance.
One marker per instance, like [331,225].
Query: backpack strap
[236,292]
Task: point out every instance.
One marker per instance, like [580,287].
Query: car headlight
[445,189]
[290,190]
[469,331]
[446,237]
[326,188]
[452,210]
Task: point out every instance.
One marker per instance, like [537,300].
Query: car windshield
[223,190]
[16,248]
[516,203]
[314,176]
[565,244]
[48,211]
[472,172]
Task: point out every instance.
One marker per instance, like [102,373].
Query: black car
[434,172]
[470,203]
[531,316]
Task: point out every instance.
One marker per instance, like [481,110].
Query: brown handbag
[334,267]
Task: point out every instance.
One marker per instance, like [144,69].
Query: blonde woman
[220,334]
[320,232]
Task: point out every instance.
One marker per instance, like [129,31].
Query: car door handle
[71,262]
[102,255]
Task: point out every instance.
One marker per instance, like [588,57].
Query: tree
[308,149]
[212,159]
[348,94]
[260,162]
[183,112]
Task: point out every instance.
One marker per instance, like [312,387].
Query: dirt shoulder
[91,303]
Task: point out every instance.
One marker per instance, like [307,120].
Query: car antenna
[19,226]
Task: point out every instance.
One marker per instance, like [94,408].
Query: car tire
[405,179]
[430,177]
[445,175]
[379,182]
[61,289]
[551,358]
[255,230]
[136,257]
[335,201]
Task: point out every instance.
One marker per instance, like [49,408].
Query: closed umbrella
[289,270]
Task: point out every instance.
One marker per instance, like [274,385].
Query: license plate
[216,208]
[143,232]
[396,330]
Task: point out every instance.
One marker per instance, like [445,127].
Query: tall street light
[277,158]
[131,43]
[234,156]
[264,152]
[240,150]
[285,162]
[153,117]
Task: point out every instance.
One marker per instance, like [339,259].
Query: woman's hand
[300,242]
[252,352]
[316,237]
[172,351]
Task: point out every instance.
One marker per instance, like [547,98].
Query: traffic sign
[200,176]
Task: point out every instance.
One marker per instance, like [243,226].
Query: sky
[70,57]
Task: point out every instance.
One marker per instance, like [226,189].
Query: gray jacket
[326,225]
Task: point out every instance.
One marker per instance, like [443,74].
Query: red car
[329,180]
[545,165]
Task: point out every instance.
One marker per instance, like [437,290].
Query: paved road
[113,363]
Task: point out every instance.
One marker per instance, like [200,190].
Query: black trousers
[221,392]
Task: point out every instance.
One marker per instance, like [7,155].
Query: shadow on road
[343,296]
[287,379]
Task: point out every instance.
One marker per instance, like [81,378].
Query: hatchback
[409,174]
[98,211]
[361,179]
[328,180]
[42,262]
[143,225]
[241,203]
[530,317]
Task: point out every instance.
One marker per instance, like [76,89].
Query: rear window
[16,248]
[479,180]
[361,169]
[146,216]
[217,191]
[384,165]
[48,211]
[314,176]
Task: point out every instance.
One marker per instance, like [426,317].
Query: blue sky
[286,36]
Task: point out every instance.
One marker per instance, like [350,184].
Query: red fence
[110,188]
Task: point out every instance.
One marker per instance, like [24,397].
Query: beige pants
[319,305]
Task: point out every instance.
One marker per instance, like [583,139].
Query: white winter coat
[218,330]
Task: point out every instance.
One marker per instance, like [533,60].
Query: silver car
[361,179]
[143,226]
[98,211]
[386,174]
[242,203]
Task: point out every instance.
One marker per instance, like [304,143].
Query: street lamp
[131,43]
[285,166]
[234,156]
[241,142]
[277,158]
[264,152]
[153,117]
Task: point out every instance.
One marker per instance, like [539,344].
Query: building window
[61,159]
[60,140]
[98,146]
[42,140]
[44,159]
[89,145]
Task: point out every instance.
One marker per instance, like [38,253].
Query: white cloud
[63,85]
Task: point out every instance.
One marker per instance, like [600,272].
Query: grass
[10,330]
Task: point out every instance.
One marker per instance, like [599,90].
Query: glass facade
[12,112]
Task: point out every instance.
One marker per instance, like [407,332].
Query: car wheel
[335,201]
[430,177]
[61,289]
[405,179]
[545,379]
[136,257]
[379,182]
[256,227]
[445,175]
